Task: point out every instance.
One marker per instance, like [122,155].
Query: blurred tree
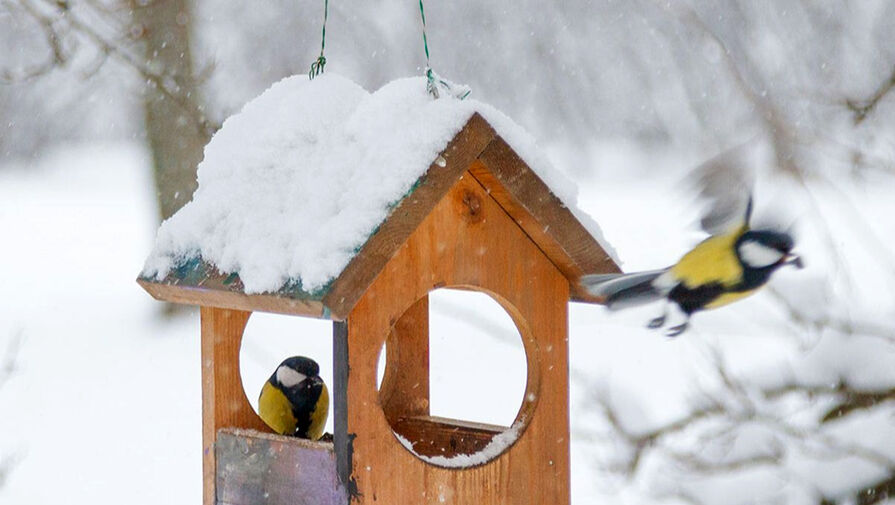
[176,128]
[62,40]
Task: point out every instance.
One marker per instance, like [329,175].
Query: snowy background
[786,397]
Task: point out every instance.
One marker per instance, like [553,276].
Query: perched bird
[294,401]
[734,262]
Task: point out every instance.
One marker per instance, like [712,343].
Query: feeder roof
[306,193]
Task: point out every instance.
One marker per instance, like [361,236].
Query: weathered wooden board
[467,240]
[256,468]
[199,283]
[224,403]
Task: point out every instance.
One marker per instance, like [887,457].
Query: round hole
[479,393]
[270,338]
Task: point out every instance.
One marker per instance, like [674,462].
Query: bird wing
[725,183]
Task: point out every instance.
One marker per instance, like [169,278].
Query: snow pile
[500,443]
[292,186]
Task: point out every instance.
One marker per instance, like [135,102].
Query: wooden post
[224,403]
[404,392]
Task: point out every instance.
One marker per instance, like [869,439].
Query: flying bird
[294,401]
[731,264]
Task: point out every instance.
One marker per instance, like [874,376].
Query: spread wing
[725,184]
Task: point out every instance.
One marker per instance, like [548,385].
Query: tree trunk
[175,127]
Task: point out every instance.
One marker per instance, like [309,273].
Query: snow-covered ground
[103,404]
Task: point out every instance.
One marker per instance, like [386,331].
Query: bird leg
[658,322]
[677,330]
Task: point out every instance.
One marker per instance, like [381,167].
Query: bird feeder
[479,218]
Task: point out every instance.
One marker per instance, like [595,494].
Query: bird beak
[794,260]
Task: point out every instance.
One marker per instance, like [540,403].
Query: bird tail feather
[624,290]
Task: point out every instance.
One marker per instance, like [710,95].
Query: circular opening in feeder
[471,399]
[270,338]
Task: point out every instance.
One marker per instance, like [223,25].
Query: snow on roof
[292,186]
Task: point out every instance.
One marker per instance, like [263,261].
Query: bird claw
[677,330]
[656,322]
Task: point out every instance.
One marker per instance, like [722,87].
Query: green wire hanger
[317,66]
[436,84]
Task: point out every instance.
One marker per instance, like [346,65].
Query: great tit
[734,262]
[294,401]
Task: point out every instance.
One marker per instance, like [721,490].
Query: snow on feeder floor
[320,199]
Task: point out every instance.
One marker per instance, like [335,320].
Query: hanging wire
[430,76]
[434,82]
[317,66]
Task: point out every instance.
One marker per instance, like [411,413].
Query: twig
[56,58]
[164,83]
[863,108]
[783,134]
[845,326]
[8,367]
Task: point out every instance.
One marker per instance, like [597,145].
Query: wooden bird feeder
[478,219]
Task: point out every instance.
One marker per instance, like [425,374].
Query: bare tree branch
[857,400]
[7,369]
[8,365]
[56,57]
[65,16]
[811,441]
[876,493]
[863,108]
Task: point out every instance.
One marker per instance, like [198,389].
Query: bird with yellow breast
[295,401]
[731,264]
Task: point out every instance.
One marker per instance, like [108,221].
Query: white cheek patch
[757,255]
[289,377]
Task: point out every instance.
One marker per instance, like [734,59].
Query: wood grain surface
[467,240]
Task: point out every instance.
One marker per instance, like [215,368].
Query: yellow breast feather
[318,417]
[275,410]
[712,261]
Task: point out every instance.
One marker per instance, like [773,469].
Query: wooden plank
[543,217]
[342,439]
[198,282]
[437,436]
[210,297]
[467,240]
[256,468]
[224,403]
[407,215]
[404,391]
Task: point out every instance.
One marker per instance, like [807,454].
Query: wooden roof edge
[443,173]
[492,162]
[215,296]
[542,216]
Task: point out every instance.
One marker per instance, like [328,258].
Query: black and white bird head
[767,249]
[295,370]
